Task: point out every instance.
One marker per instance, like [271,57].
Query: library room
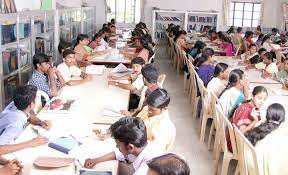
[143,87]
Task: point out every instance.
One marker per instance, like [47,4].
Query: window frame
[109,16]
[232,16]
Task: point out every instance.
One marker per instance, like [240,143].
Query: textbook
[58,104]
[64,144]
[121,70]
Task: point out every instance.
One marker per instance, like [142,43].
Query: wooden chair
[244,148]
[225,128]
[161,80]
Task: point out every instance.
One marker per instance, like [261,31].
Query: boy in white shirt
[68,70]
[134,150]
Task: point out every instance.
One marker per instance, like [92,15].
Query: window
[124,11]
[244,14]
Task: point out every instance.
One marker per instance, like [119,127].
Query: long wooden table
[90,98]
[110,57]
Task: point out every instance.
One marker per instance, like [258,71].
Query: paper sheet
[95,69]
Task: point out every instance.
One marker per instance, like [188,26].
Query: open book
[121,70]
[58,104]
[95,69]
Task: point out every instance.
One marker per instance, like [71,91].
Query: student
[237,38]
[63,45]
[259,39]
[68,70]
[248,39]
[96,42]
[247,115]
[113,21]
[45,77]
[260,65]
[250,54]
[83,52]
[131,139]
[168,164]
[271,67]
[160,129]
[145,51]
[235,92]
[274,35]
[219,81]
[14,117]
[228,47]
[266,43]
[213,35]
[282,75]
[137,82]
[180,39]
[205,66]
[12,167]
[197,49]
[103,35]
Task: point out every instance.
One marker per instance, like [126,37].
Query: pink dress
[228,48]
[144,53]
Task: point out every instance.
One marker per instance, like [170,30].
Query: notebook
[95,69]
[64,144]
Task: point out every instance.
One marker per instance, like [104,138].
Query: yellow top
[160,129]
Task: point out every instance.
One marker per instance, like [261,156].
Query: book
[84,171]
[58,104]
[95,69]
[64,144]
[121,68]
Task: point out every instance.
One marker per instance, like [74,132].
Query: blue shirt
[12,123]
[42,82]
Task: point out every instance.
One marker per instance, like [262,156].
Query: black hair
[175,29]
[97,35]
[260,37]
[40,58]
[145,44]
[220,35]
[208,52]
[275,115]
[130,130]
[199,45]
[24,96]
[259,89]
[234,77]
[68,52]
[259,28]
[80,37]
[151,73]
[269,56]
[138,60]
[113,21]
[231,30]
[227,40]
[275,30]
[169,164]
[179,33]
[252,45]
[63,45]
[159,98]
[248,34]
[104,25]
[239,29]
[220,68]
[261,50]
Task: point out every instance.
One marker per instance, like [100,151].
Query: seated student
[235,92]
[228,47]
[250,55]
[137,82]
[63,45]
[168,164]
[180,39]
[219,81]
[213,35]
[68,70]
[205,31]
[271,67]
[274,35]
[12,167]
[205,66]
[113,21]
[133,148]
[259,39]
[160,129]
[282,75]
[45,77]
[247,115]
[238,37]
[95,42]
[260,65]
[103,35]
[197,49]
[282,40]
[14,117]
[247,40]
[82,50]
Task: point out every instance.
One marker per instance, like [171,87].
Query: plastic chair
[161,80]
[152,58]
[142,99]
[38,100]
[193,89]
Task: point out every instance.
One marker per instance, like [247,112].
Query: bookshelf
[189,21]
[197,20]
[161,19]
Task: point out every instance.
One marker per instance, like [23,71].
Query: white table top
[90,97]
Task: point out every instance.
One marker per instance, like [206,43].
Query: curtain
[226,11]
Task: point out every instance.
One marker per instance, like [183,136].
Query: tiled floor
[187,140]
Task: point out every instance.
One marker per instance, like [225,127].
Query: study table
[79,123]
[111,56]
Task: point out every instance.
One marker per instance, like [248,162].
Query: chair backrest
[244,148]
[161,80]
[152,58]
[142,98]
[38,101]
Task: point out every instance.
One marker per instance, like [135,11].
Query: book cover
[64,144]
